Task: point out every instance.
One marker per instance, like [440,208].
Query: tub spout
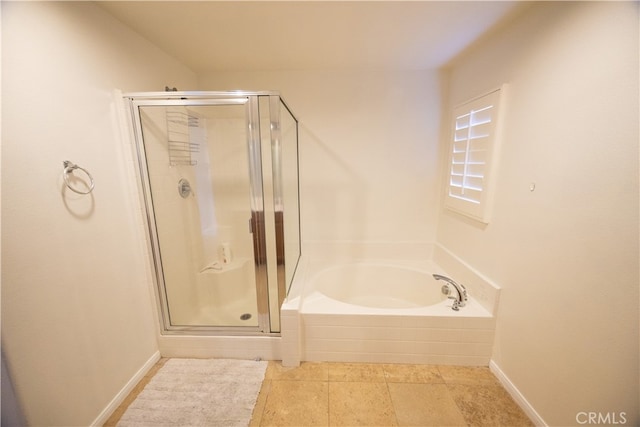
[462,297]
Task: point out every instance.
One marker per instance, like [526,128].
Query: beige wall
[368,149]
[566,254]
[77,319]
[77,315]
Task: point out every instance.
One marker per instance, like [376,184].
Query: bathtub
[388,312]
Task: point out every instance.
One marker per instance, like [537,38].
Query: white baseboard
[516,395]
[122,394]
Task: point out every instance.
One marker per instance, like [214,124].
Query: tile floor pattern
[360,394]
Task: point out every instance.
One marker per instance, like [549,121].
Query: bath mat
[198,392]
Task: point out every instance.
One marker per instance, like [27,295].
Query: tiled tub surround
[319,328]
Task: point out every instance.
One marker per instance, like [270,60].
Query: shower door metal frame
[250,100]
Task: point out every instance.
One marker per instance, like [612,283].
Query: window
[473,156]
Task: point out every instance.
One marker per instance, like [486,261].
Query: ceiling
[310,35]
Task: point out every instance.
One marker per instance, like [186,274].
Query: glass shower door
[204,197]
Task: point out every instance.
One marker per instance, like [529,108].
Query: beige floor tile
[297,403]
[467,375]
[360,404]
[487,405]
[363,372]
[412,373]
[307,371]
[424,405]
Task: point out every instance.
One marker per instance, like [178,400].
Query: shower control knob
[184,188]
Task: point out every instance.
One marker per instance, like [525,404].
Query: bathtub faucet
[462,297]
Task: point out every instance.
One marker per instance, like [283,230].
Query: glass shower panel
[288,206]
[198,163]
[219,178]
[269,122]
[279,143]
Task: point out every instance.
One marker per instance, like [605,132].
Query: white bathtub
[377,285]
[388,312]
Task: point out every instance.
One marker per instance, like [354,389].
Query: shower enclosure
[219,176]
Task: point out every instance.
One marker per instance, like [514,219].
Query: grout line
[328,400]
[455,402]
[393,405]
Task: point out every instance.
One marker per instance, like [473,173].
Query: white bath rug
[198,392]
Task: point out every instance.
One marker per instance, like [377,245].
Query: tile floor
[360,394]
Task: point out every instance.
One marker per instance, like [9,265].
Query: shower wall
[229,165]
[368,155]
[77,318]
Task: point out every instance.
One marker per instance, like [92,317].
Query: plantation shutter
[472,156]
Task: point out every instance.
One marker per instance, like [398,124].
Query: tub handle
[447,291]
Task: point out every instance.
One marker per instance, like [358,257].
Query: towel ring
[68,169]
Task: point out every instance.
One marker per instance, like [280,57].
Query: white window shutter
[473,156]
